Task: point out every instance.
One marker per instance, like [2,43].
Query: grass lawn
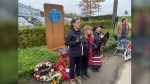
[29,57]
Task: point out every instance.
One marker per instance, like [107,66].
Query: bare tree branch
[90,6]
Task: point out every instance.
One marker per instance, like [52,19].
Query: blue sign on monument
[54,15]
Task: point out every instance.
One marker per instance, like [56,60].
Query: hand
[80,37]
[78,40]
[101,48]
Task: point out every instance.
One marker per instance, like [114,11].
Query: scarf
[90,49]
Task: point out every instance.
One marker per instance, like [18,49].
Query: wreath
[65,74]
[37,71]
[60,65]
[52,76]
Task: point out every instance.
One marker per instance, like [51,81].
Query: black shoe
[83,76]
[87,75]
[97,69]
[94,70]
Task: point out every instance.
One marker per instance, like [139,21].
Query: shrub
[36,36]
[92,23]
[29,37]
[98,18]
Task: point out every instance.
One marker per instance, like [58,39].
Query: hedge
[98,18]
[36,36]
[29,37]
[104,24]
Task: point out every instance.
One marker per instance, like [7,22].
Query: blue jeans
[119,38]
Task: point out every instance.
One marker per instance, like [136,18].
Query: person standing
[97,41]
[87,50]
[75,51]
[122,31]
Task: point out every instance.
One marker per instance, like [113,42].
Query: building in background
[27,11]
[42,13]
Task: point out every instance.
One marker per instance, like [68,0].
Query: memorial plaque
[54,15]
[54,19]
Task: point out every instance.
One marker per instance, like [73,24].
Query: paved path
[125,77]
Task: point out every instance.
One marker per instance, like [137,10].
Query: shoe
[72,81]
[94,70]
[78,78]
[97,69]
[83,76]
[86,73]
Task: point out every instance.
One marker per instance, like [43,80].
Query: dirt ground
[114,70]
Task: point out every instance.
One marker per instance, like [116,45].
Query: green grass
[28,58]
[121,17]
[111,41]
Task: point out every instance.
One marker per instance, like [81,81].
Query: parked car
[22,22]
[67,20]
[38,21]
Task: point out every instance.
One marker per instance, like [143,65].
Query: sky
[70,6]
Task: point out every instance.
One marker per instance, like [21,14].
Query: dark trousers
[75,61]
[84,63]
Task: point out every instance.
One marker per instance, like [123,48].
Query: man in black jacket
[74,42]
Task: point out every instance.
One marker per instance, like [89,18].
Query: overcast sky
[70,5]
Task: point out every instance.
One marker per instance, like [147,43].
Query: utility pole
[115,7]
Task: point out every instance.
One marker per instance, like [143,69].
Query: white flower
[40,64]
[44,78]
[47,64]
[41,78]
[37,76]
[52,70]
[36,69]
[37,66]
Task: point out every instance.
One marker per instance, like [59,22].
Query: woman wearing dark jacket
[98,35]
[75,51]
[87,50]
